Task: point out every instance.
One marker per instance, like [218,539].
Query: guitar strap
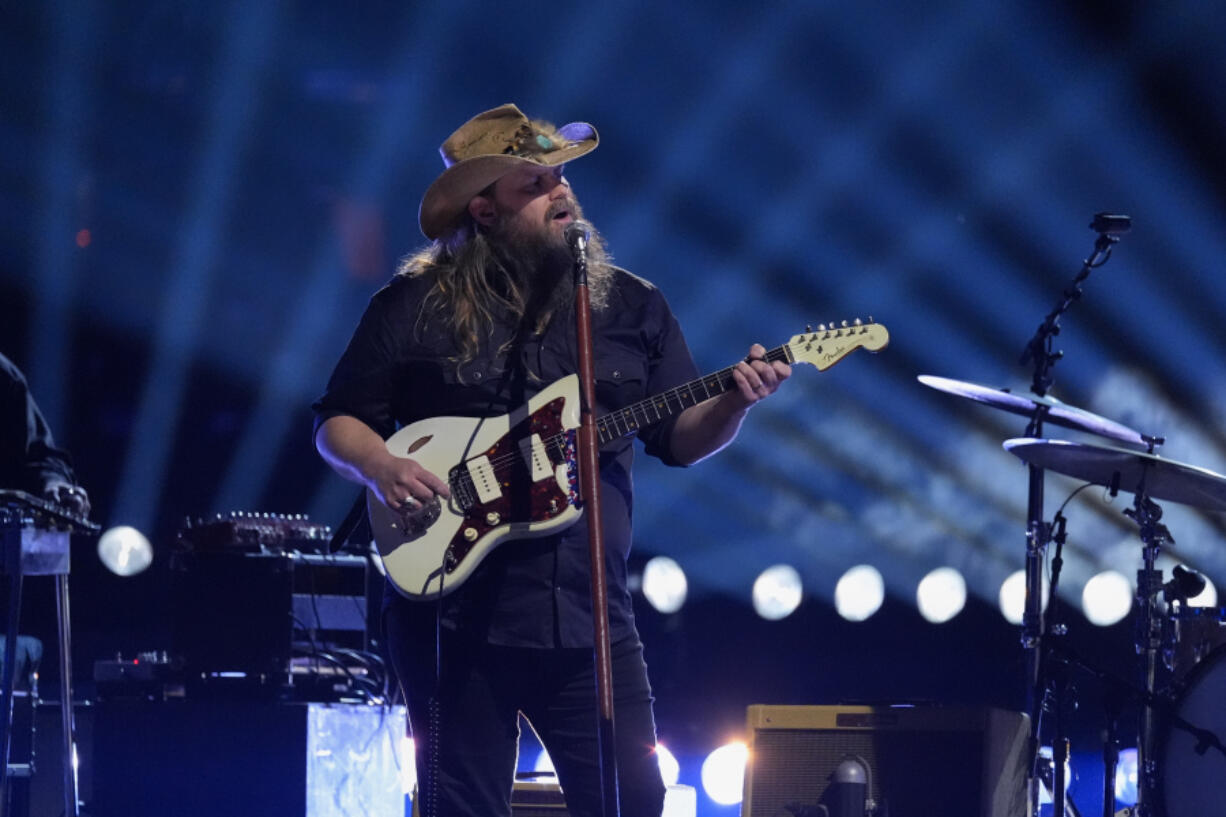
[355,520]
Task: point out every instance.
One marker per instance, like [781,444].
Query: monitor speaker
[921,761]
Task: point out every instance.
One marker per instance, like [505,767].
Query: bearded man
[474,325]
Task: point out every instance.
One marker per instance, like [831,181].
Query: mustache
[564,205]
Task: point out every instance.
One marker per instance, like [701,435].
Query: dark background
[248,173]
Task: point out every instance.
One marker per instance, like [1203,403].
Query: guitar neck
[628,420]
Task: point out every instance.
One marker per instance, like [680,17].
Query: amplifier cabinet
[922,760]
[247,614]
[203,759]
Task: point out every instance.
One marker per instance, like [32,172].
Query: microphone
[1110,224]
[1186,584]
[577,234]
[851,783]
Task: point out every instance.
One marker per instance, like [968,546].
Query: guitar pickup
[481,470]
[534,453]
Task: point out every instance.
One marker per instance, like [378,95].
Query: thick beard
[538,261]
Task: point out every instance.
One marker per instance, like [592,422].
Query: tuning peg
[808,327]
[857,322]
[821,327]
[844,324]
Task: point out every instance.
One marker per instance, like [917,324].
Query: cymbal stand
[1040,353]
[1112,706]
[1057,678]
[1146,513]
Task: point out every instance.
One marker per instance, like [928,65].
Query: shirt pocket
[620,380]
[439,388]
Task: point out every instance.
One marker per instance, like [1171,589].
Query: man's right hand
[403,484]
[357,453]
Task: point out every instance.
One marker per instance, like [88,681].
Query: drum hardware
[1145,475]
[1146,513]
[1040,353]
[1044,687]
[1193,633]
[1201,744]
[1184,584]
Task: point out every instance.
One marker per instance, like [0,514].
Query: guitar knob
[470,534]
[492,518]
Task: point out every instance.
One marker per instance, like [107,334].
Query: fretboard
[626,421]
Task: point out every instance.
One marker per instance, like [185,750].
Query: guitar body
[507,481]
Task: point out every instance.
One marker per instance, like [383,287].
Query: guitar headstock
[829,344]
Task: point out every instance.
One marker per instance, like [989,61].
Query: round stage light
[1107,598]
[859,593]
[1206,597]
[670,769]
[124,550]
[664,584]
[723,773]
[777,592]
[1126,777]
[941,595]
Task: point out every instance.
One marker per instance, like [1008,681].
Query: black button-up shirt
[400,367]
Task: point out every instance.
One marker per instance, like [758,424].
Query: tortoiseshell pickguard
[521,501]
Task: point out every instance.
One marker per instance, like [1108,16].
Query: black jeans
[482,691]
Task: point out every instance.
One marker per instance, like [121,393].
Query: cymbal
[1057,412]
[1124,469]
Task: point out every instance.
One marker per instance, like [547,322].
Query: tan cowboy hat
[486,148]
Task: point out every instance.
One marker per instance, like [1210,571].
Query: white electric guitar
[516,475]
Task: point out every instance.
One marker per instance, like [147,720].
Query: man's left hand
[69,496]
[756,379]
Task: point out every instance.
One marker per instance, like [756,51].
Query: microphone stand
[1039,352]
[589,486]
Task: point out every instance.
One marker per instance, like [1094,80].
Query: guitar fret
[636,416]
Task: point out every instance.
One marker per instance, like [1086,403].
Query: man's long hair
[478,280]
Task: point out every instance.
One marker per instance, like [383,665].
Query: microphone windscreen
[576,232]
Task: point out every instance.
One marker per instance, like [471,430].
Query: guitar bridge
[463,491]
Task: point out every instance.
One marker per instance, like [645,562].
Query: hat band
[529,142]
